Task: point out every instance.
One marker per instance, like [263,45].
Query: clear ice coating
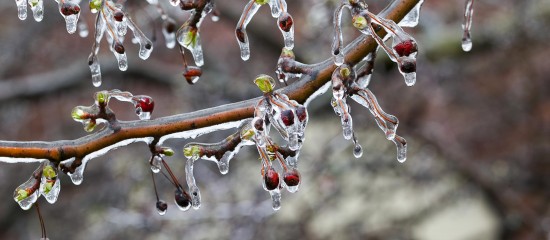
[275,199]
[288,37]
[337,42]
[277,7]
[357,150]
[37,7]
[242,38]
[122,61]
[83,29]
[145,45]
[27,193]
[169,37]
[193,189]
[156,164]
[467,25]
[71,21]
[78,176]
[50,185]
[388,123]
[161,210]
[95,68]
[189,38]
[411,19]
[21,10]
[401,145]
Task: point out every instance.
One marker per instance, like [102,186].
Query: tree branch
[300,91]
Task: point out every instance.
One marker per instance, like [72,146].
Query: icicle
[357,150]
[95,68]
[78,176]
[189,38]
[276,199]
[337,42]
[277,7]
[156,164]
[467,25]
[70,10]
[122,61]
[193,189]
[286,26]
[411,19]
[49,183]
[37,7]
[145,45]
[401,145]
[82,29]
[27,193]
[242,38]
[21,11]
[388,123]
[169,32]
[161,207]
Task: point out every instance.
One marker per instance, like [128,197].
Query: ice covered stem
[401,145]
[337,42]
[190,177]
[387,122]
[145,45]
[70,10]
[341,78]
[286,25]
[240,31]
[467,25]
[21,9]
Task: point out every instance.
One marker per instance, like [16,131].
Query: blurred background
[477,126]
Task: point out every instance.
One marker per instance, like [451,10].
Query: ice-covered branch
[300,91]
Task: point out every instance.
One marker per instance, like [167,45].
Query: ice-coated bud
[241,35]
[285,22]
[345,72]
[167,151]
[192,74]
[182,199]
[69,8]
[258,124]
[49,172]
[102,98]
[359,22]
[291,177]
[118,47]
[265,83]
[143,104]
[190,38]
[271,179]
[287,53]
[261,2]
[118,15]
[191,151]
[247,134]
[405,48]
[21,194]
[161,207]
[79,113]
[407,65]
[301,113]
[95,5]
[287,116]
[89,126]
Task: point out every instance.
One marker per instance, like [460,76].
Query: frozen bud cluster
[43,182]
[278,11]
[99,112]
[403,50]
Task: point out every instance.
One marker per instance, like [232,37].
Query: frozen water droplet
[71,22]
[338,58]
[21,9]
[357,151]
[145,45]
[156,163]
[37,7]
[182,200]
[276,8]
[276,199]
[410,78]
[122,61]
[242,38]
[223,164]
[78,176]
[83,29]
[401,145]
[466,44]
[161,207]
[95,68]
[193,189]
[195,197]
[215,18]
[245,50]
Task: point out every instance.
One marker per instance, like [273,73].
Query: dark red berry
[182,198]
[170,26]
[240,35]
[259,124]
[146,104]
[301,113]
[118,48]
[69,8]
[405,48]
[292,177]
[162,206]
[285,22]
[118,16]
[191,74]
[287,116]
[271,179]
[407,66]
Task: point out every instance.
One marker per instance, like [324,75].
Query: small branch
[300,91]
